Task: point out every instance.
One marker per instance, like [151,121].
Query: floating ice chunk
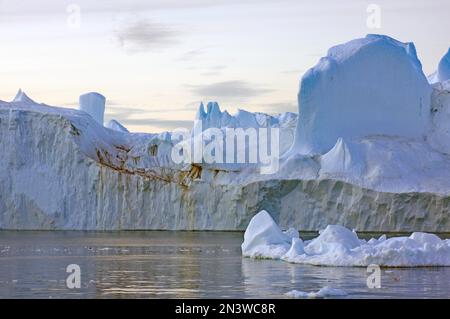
[94,104]
[322,293]
[373,85]
[263,238]
[339,246]
[115,125]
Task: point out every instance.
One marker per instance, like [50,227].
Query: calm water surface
[164,264]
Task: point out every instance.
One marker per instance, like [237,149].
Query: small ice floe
[4,249]
[339,246]
[322,293]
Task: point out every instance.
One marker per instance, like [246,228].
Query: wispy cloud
[191,55]
[214,70]
[210,73]
[278,107]
[294,71]
[228,90]
[207,70]
[46,7]
[140,116]
[145,35]
[167,124]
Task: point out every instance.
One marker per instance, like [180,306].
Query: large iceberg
[369,86]
[393,176]
[339,246]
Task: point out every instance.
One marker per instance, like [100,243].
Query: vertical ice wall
[443,73]
[94,104]
[373,85]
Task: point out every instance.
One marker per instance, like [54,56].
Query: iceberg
[377,163]
[339,246]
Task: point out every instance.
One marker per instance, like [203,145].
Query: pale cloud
[228,90]
[145,35]
[167,124]
[191,55]
[50,7]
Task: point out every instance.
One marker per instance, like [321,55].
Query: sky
[155,60]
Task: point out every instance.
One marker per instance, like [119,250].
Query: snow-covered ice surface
[371,152]
[339,246]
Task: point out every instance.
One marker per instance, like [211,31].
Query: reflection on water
[180,265]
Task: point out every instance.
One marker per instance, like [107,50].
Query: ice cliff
[369,86]
[371,153]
